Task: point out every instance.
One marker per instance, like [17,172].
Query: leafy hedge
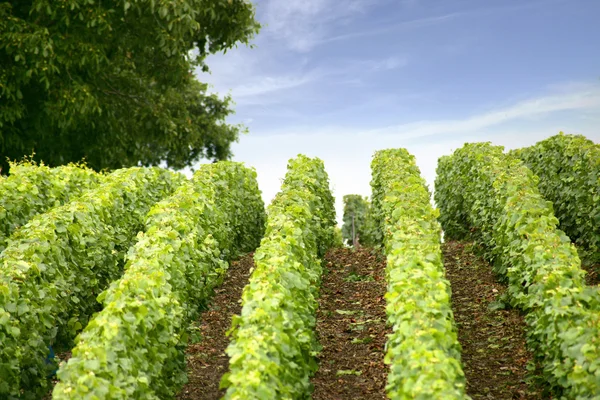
[423,350]
[239,197]
[493,198]
[273,345]
[338,241]
[32,189]
[569,170]
[56,265]
[135,347]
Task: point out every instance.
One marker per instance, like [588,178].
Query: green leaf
[422,349]
[345,312]
[170,272]
[344,372]
[496,200]
[278,305]
[89,58]
[57,262]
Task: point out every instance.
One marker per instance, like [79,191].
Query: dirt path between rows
[592,277]
[494,354]
[206,360]
[351,326]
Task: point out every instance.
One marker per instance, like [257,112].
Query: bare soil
[206,360]
[351,326]
[494,353]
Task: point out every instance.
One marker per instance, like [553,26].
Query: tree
[356,211]
[112,81]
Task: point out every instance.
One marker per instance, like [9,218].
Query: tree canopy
[112,81]
[358,207]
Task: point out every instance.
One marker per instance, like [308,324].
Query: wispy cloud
[586,97]
[347,152]
[303,23]
[270,84]
[387,64]
[387,28]
[248,74]
[393,26]
[566,97]
[248,85]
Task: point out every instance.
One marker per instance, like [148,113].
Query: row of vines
[494,199]
[131,256]
[54,267]
[33,189]
[568,168]
[508,204]
[273,347]
[134,348]
[423,350]
[116,267]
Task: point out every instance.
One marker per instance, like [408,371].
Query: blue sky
[341,79]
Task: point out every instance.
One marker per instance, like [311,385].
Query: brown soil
[592,278]
[494,353]
[206,360]
[590,262]
[351,326]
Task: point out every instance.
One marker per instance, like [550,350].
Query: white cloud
[586,97]
[269,84]
[387,28]
[347,152]
[249,74]
[239,74]
[417,23]
[303,23]
[387,63]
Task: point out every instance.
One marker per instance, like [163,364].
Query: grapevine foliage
[494,199]
[273,345]
[56,265]
[240,199]
[569,170]
[423,351]
[32,189]
[134,348]
[338,240]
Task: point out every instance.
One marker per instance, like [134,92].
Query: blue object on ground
[49,360]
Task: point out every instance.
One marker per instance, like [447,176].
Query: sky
[340,80]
